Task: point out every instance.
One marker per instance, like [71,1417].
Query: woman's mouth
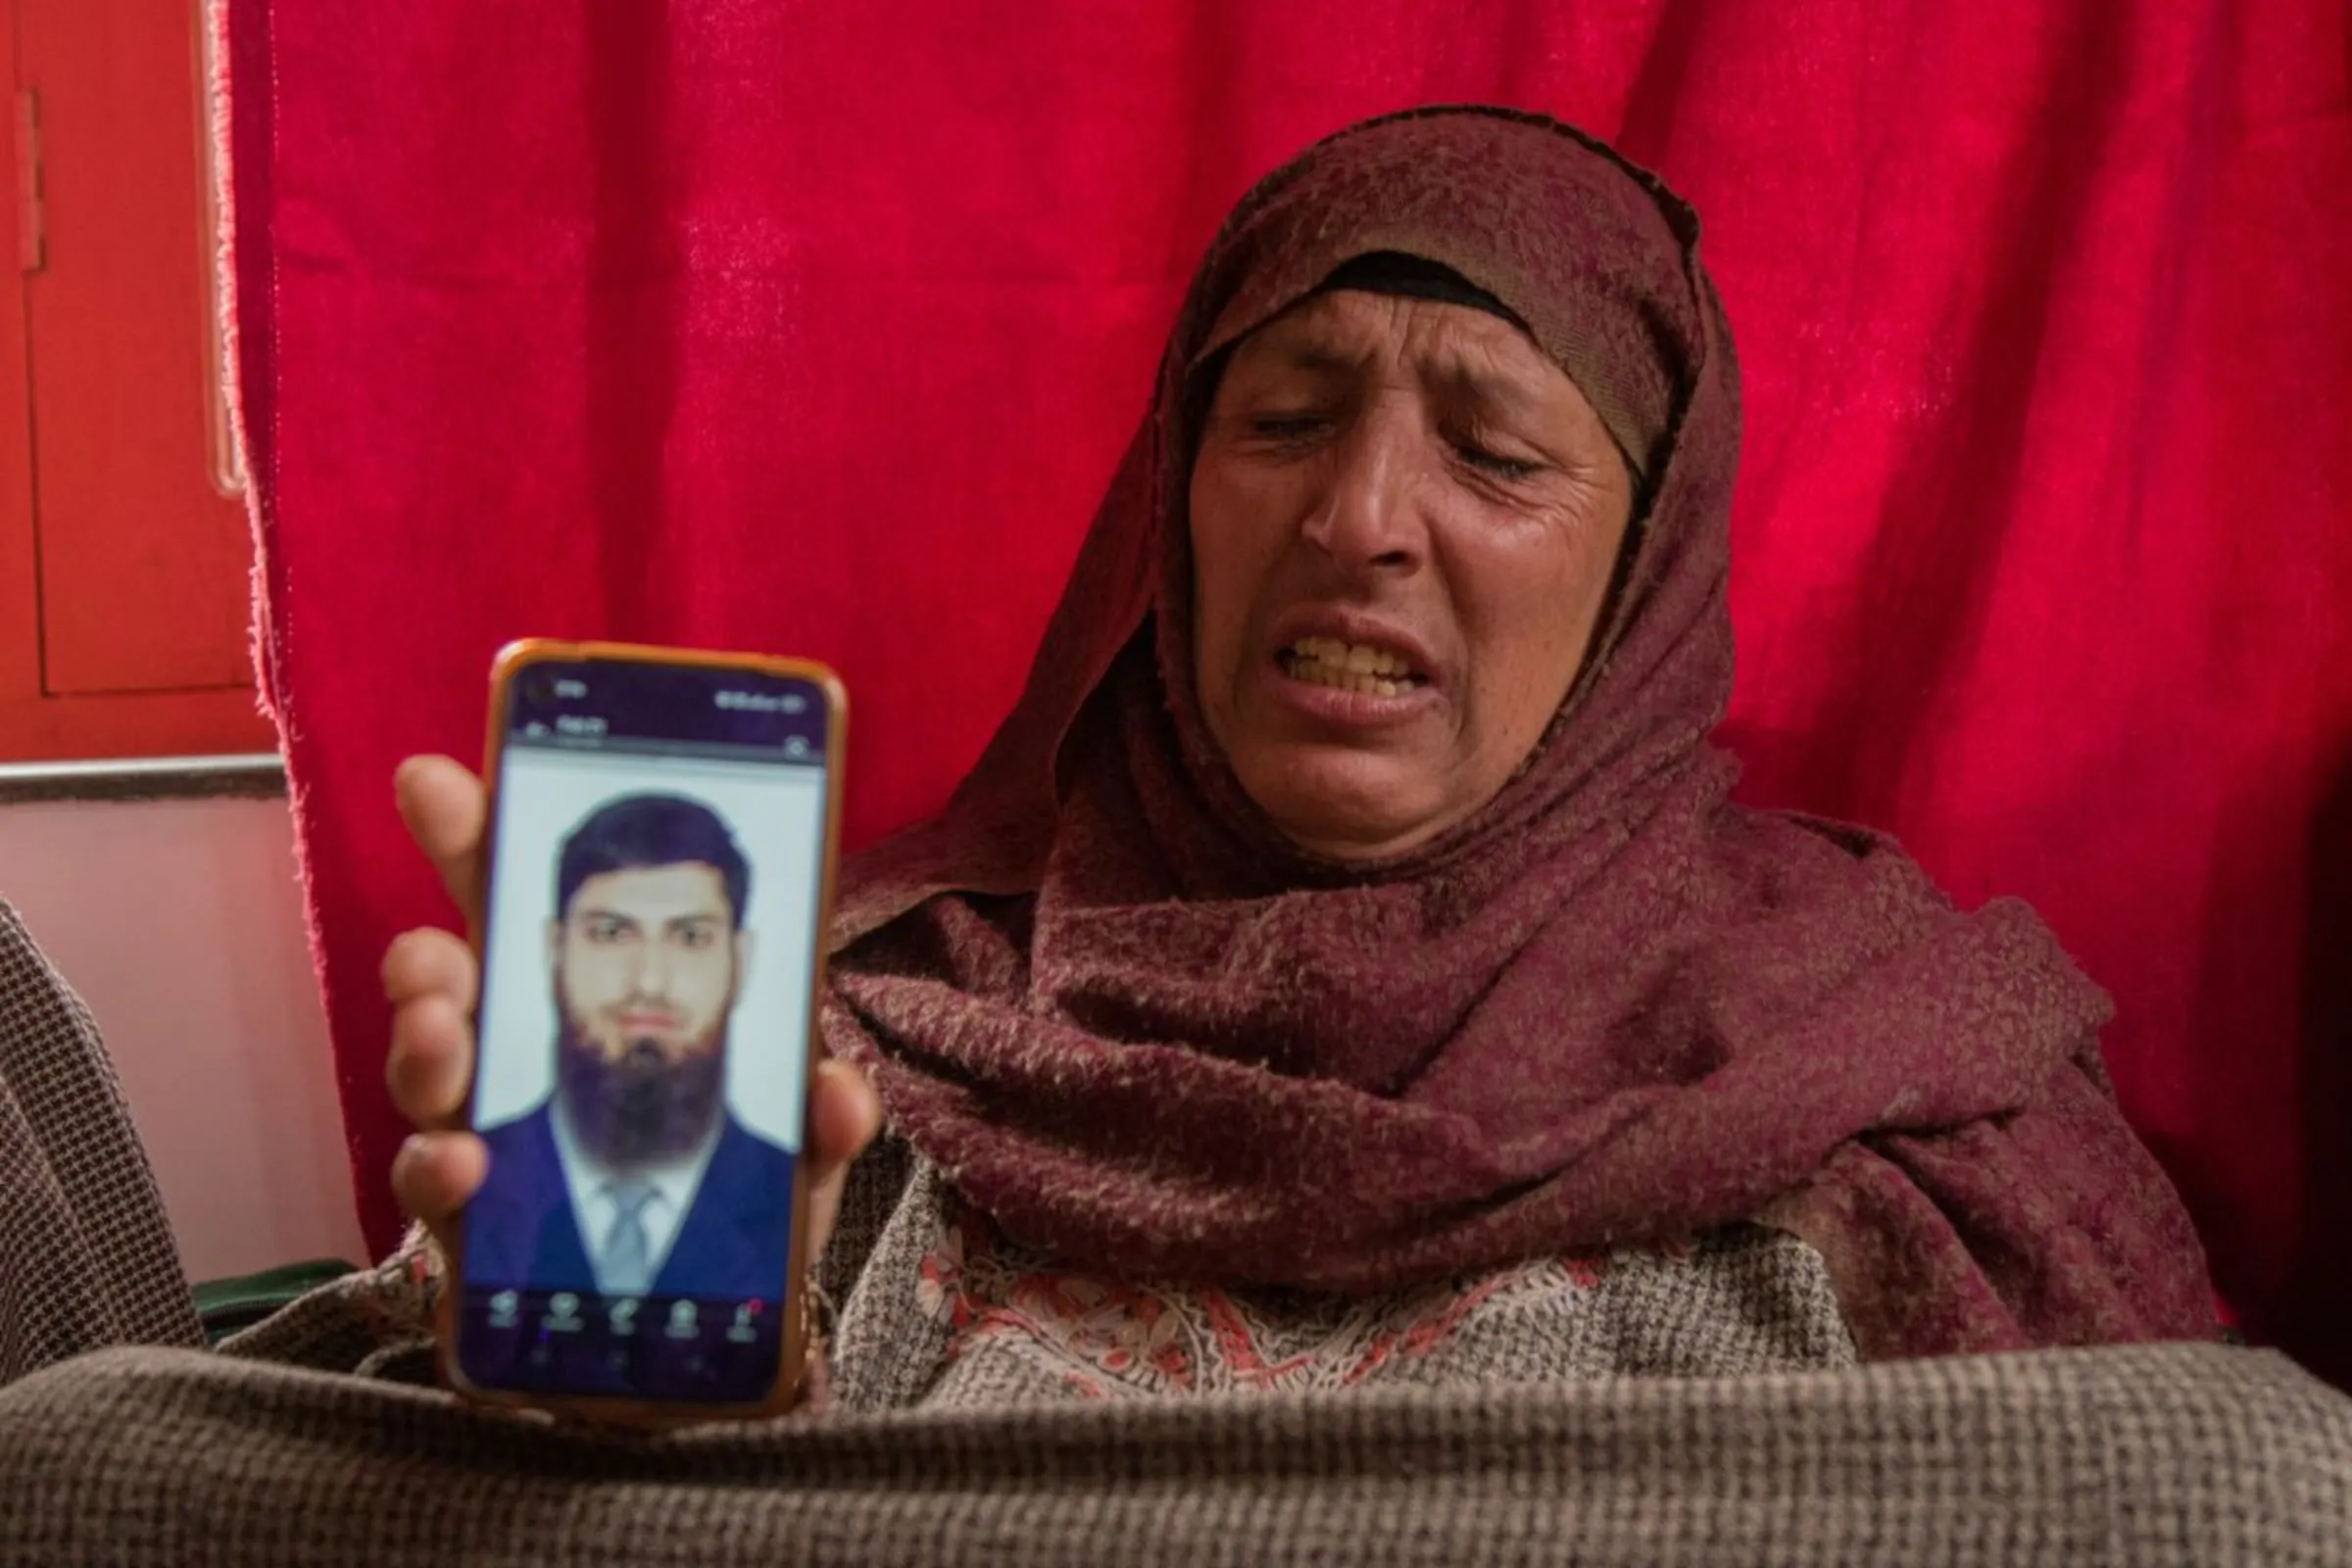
[1357,667]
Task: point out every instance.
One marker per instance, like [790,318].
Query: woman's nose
[1365,517]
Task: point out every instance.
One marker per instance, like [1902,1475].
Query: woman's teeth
[1348,667]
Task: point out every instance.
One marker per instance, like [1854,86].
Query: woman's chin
[1347,809]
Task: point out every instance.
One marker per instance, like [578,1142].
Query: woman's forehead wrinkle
[1441,349]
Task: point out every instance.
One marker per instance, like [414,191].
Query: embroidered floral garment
[941,1310]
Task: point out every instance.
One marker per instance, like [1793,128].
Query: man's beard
[643,1107]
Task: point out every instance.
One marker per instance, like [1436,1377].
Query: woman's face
[1404,518]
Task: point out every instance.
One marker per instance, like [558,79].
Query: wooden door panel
[144,563]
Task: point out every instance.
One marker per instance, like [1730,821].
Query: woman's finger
[445,808]
[435,1175]
[429,963]
[844,1115]
[430,1068]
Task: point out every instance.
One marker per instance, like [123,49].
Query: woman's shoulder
[1785,859]
[1775,834]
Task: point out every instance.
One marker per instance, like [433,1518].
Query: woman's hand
[432,982]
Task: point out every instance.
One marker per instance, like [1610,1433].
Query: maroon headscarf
[1148,1035]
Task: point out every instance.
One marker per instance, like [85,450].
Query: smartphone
[657,878]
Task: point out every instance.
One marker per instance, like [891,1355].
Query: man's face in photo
[646,963]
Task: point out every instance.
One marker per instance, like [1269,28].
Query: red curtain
[819,329]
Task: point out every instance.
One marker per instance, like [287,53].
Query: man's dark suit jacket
[521,1232]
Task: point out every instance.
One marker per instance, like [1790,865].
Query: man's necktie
[626,1267]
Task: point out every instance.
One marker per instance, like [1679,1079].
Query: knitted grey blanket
[2143,1456]
[146,1454]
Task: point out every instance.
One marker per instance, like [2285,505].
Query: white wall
[179,922]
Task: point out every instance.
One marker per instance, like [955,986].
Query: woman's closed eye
[1283,428]
[1497,464]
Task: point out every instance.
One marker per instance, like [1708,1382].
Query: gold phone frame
[798,1312]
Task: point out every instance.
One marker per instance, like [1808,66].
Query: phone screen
[657,861]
